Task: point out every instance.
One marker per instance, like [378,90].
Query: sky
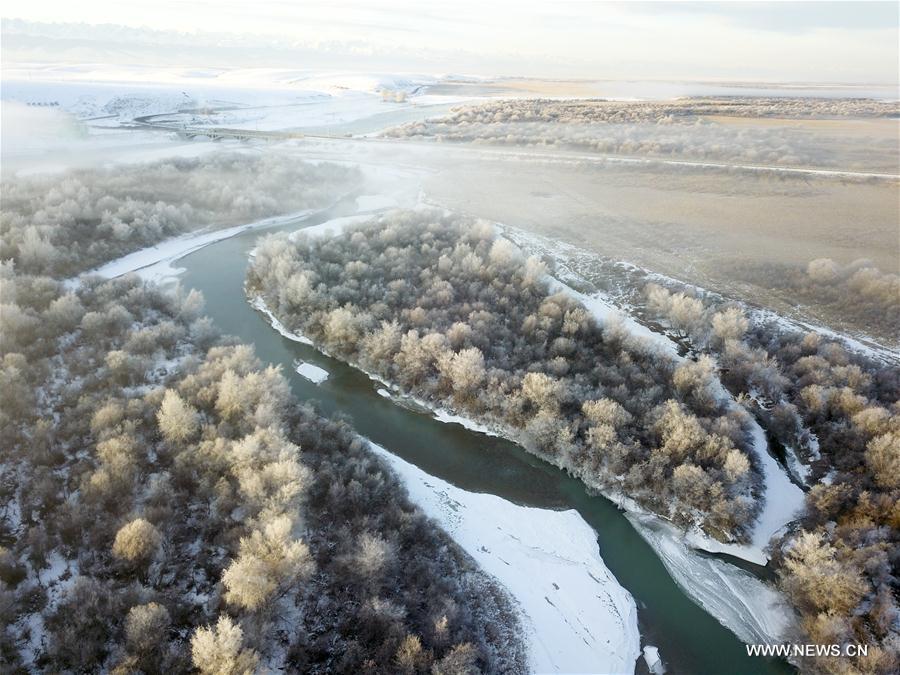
[845,42]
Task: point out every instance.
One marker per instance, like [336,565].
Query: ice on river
[312,373]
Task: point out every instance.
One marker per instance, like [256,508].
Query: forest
[454,314]
[170,507]
[440,305]
[59,225]
[836,413]
[692,129]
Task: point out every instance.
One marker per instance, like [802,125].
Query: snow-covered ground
[653,660]
[258,304]
[375,202]
[330,228]
[578,618]
[108,96]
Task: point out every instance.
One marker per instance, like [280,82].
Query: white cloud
[769,41]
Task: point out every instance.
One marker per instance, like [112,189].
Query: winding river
[690,640]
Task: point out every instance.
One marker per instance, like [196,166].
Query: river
[690,640]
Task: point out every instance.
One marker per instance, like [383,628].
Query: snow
[654,663]
[444,415]
[56,579]
[258,304]
[330,228]
[577,616]
[107,96]
[783,499]
[312,373]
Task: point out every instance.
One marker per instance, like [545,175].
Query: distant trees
[455,315]
[686,128]
[857,295]
[61,225]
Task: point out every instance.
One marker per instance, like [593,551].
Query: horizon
[856,44]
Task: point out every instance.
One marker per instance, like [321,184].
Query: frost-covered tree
[178,421]
[146,628]
[137,541]
[219,650]
[269,559]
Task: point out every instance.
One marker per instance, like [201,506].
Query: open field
[713,229]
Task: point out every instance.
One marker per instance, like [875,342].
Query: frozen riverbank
[154,263]
[579,619]
[752,609]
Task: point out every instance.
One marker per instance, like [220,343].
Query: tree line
[59,225]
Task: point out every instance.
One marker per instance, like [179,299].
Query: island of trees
[453,314]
